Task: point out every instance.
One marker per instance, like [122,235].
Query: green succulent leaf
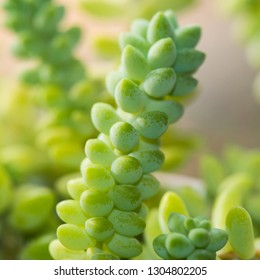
[241,234]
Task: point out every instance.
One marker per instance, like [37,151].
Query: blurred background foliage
[245,16]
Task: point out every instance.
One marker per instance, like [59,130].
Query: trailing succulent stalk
[37,24]
[106,213]
[59,79]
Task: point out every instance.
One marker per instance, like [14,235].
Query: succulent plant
[106,213]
